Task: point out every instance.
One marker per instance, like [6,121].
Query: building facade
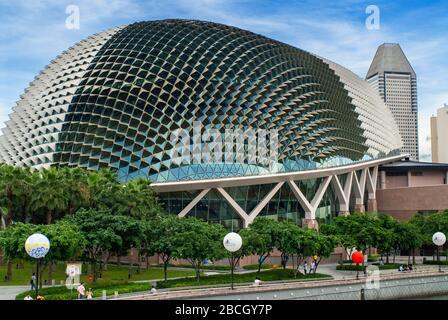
[439,135]
[127,97]
[393,77]
[406,188]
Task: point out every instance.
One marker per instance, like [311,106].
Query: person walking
[33,281]
[90,294]
[312,266]
[305,267]
[81,291]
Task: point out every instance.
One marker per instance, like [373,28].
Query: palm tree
[75,187]
[104,189]
[12,184]
[49,193]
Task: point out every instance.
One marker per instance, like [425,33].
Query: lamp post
[232,242]
[439,240]
[37,246]
[357,257]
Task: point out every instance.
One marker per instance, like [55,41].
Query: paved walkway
[10,292]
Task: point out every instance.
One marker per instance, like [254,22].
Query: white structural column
[310,207]
[190,206]
[343,194]
[359,188]
[371,189]
[235,206]
[254,213]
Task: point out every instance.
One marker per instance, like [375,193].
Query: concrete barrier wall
[412,287]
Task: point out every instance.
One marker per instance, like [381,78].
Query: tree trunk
[413,256]
[94,271]
[138,263]
[34,217]
[147,262]
[10,215]
[49,216]
[106,261]
[118,260]
[198,270]
[165,271]
[292,259]
[41,273]
[387,258]
[9,270]
[50,272]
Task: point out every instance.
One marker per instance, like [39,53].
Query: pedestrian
[89,293]
[305,267]
[312,266]
[33,281]
[81,291]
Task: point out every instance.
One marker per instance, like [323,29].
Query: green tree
[260,238]
[49,193]
[13,183]
[409,238]
[104,231]
[286,240]
[139,199]
[321,247]
[359,231]
[65,242]
[75,187]
[337,230]
[163,239]
[200,241]
[390,241]
[104,190]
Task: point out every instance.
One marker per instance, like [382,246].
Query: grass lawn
[113,274]
[62,293]
[269,275]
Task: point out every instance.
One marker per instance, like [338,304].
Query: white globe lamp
[439,240]
[232,242]
[37,246]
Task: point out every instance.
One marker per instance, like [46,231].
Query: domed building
[124,98]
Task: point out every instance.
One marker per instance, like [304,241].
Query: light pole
[37,246]
[232,242]
[439,240]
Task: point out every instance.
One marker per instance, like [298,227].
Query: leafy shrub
[354,267]
[204,267]
[373,257]
[255,266]
[435,262]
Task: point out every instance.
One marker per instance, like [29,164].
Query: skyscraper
[393,77]
[439,135]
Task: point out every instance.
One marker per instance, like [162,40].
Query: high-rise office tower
[439,135]
[393,77]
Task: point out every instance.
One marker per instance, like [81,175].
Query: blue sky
[32,33]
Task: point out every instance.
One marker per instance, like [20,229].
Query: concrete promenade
[392,285]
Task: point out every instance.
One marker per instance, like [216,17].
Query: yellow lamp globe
[37,245]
